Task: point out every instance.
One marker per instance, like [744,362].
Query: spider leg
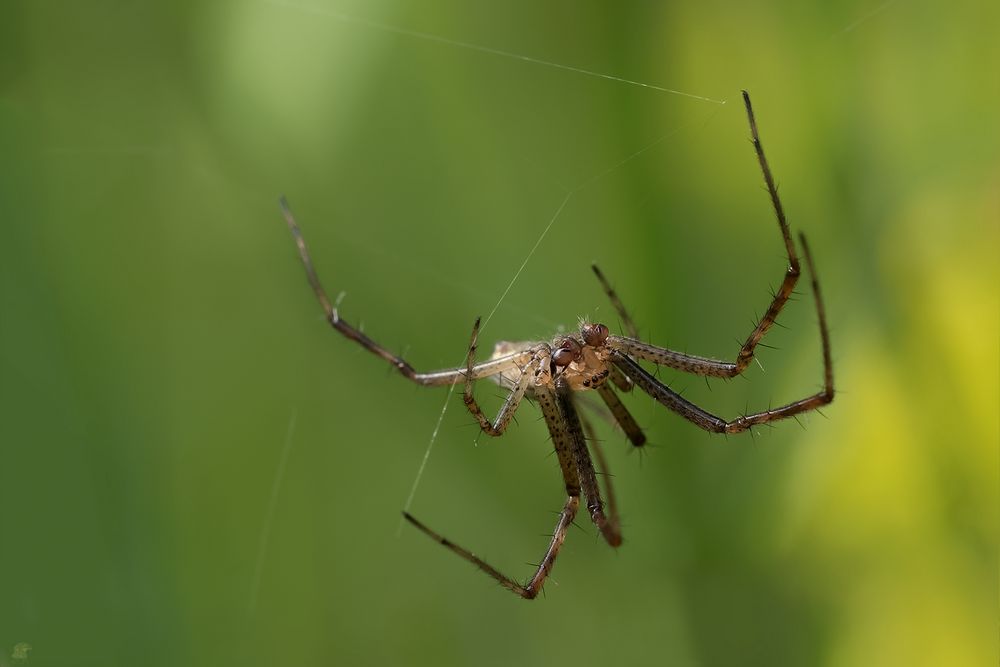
[596,408]
[531,590]
[585,469]
[537,363]
[496,366]
[620,379]
[633,331]
[703,365]
[563,441]
[622,415]
[595,446]
[710,422]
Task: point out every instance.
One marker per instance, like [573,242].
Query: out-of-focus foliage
[163,361]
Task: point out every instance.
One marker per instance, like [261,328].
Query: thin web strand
[427,455]
[636,154]
[430,37]
[265,531]
[451,389]
[864,18]
[527,259]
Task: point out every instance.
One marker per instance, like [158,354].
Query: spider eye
[595,335]
[563,357]
[567,352]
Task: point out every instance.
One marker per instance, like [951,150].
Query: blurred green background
[194,470]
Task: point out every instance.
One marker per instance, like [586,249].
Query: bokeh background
[195,471]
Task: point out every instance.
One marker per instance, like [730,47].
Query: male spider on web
[553,373]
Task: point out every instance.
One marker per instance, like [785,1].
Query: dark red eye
[595,335]
[563,357]
[567,352]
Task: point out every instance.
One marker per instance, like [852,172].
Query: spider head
[580,361]
[594,335]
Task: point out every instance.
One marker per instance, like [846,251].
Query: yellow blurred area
[888,619]
[879,489]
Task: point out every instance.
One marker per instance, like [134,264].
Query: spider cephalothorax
[582,362]
[553,374]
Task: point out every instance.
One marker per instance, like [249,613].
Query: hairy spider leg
[595,446]
[619,379]
[621,414]
[491,367]
[585,469]
[630,328]
[563,441]
[710,422]
[538,361]
[697,365]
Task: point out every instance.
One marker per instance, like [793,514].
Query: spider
[553,374]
